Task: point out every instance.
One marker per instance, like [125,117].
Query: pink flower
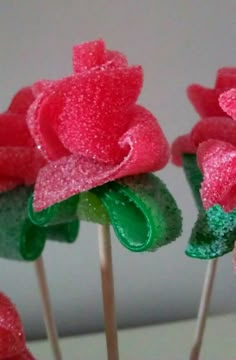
[205,100]
[20,160]
[89,127]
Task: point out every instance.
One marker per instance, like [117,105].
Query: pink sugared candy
[227,102]
[217,160]
[205,100]
[12,339]
[89,127]
[182,145]
[218,128]
[20,160]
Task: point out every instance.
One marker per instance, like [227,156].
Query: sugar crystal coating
[227,101]
[217,160]
[89,127]
[20,160]
[12,340]
[218,128]
[205,100]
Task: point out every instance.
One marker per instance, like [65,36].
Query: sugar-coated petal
[41,119]
[217,160]
[14,130]
[182,145]
[88,55]
[218,128]
[8,183]
[20,165]
[95,112]
[226,78]
[227,102]
[147,150]
[12,340]
[205,101]
[85,114]
[21,101]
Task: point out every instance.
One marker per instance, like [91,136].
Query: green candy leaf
[19,238]
[143,213]
[213,235]
[194,176]
[67,232]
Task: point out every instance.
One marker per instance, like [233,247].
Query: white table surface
[162,342]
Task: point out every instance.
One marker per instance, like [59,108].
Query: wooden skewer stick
[47,309]
[108,292]
[203,308]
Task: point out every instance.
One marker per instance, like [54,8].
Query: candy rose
[12,338]
[208,239]
[20,161]
[89,127]
[218,160]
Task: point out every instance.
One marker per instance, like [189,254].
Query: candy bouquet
[81,148]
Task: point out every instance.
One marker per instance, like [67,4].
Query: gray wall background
[177,42]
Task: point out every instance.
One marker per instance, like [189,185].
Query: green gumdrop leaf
[90,208]
[60,213]
[193,176]
[143,213]
[19,238]
[67,232]
[213,235]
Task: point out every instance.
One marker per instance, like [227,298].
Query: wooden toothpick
[47,309]
[108,292]
[203,308]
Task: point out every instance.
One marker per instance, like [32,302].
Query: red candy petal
[217,160]
[147,150]
[205,101]
[218,128]
[115,59]
[182,145]
[227,102]
[21,101]
[89,55]
[19,164]
[12,340]
[226,78]
[87,113]
[14,131]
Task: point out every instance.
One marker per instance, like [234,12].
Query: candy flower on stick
[214,232]
[208,240]
[12,338]
[20,161]
[91,131]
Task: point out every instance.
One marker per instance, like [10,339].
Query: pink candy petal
[19,164]
[85,114]
[217,160]
[218,128]
[226,78]
[14,131]
[21,101]
[147,150]
[227,102]
[205,101]
[12,340]
[89,55]
[182,145]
